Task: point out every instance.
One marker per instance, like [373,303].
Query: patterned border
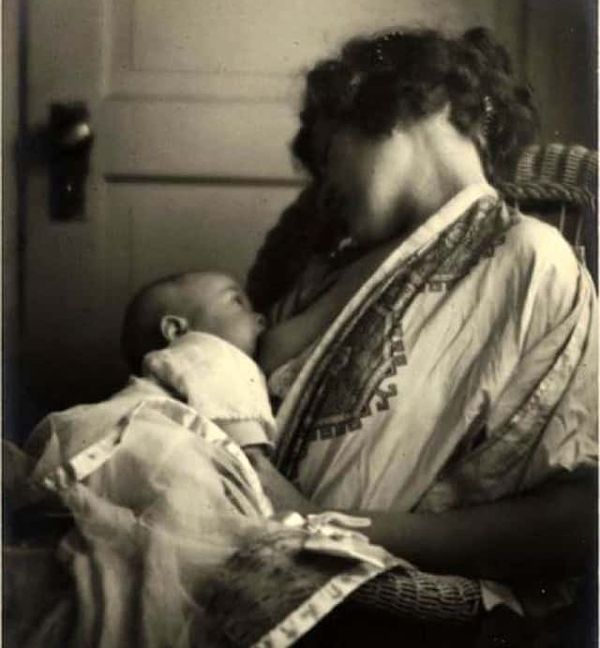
[347,383]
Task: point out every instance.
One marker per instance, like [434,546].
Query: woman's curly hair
[373,86]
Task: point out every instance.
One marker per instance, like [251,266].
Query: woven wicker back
[558,184]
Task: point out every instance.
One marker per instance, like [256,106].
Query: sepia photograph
[299,323]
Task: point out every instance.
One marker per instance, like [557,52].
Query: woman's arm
[547,532]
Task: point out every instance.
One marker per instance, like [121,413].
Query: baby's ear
[173,326]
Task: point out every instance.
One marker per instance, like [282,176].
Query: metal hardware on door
[69,140]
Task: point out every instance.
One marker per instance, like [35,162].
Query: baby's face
[222,308]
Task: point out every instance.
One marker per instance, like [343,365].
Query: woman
[433,347]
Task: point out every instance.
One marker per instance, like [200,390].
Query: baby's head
[194,301]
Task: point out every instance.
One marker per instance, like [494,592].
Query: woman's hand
[283,494]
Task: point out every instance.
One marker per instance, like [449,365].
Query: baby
[175,311]
[194,301]
[205,319]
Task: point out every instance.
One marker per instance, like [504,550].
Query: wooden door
[193,104]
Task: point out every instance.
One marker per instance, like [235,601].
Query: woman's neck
[446,162]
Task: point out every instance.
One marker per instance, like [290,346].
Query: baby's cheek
[243,335]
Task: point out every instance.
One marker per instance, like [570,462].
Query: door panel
[256,50]
[155,230]
[230,141]
[176,228]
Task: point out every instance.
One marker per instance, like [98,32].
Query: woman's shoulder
[540,247]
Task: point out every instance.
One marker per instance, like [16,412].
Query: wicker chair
[556,183]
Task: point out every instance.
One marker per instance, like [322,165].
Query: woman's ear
[173,326]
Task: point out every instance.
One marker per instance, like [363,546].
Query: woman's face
[367,181]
